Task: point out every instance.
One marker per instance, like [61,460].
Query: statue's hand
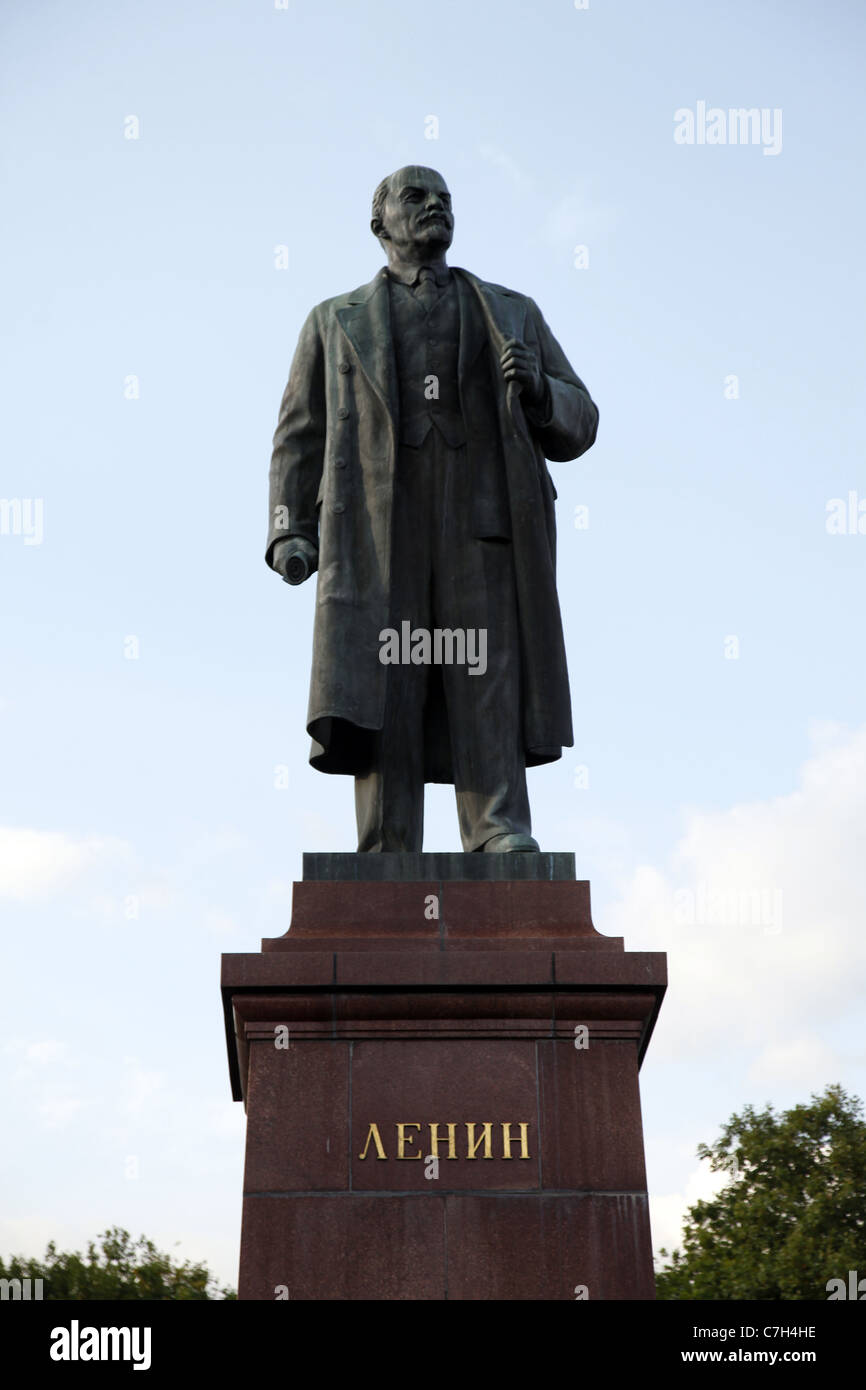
[295,559]
[519,363]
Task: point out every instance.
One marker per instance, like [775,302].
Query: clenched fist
[519,363]
[295,559]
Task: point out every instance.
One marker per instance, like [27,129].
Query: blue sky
[147,786]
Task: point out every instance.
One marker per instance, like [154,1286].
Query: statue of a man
[409,469]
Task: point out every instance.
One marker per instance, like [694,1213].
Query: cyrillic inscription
[451,1140]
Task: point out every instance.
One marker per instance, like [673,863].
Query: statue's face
[417,213]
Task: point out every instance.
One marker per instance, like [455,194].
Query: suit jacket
[331,481]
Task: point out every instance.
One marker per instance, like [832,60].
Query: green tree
[117,1268]
[791,1217]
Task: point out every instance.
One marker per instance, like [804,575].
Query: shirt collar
[441,277]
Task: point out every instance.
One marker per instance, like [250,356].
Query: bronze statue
[409,470]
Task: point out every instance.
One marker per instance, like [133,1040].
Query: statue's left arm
[566,421]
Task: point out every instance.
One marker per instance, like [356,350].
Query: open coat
[331,481]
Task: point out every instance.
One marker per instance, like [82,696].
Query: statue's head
[412,212]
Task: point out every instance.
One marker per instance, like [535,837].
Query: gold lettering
[508,1140]
[403,1138]
[435,1141]
[479,1139]
[373,1133]
[473,1144]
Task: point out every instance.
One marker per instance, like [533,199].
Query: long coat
[331,481]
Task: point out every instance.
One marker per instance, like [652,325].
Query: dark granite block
[409,868]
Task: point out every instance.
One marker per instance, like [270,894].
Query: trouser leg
[389,798]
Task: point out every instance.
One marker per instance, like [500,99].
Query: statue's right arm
[297,461]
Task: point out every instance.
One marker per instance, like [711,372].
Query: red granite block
[248,971]
[644,968]
[517,908]
[343,1248]
[399,1010]
[629,1010]
[444,968]
[549,1248]
[380,909]
[297,947]
[590,1116]
[298,1126]
[288,1007]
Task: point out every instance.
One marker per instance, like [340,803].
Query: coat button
[345,367]
[343,413]
[340,462]
[339,506]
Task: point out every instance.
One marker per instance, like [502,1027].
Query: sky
[182,183]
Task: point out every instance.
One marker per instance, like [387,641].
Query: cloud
[761,910]
[500,159]
[47,1079]
[806,1060]
[39,864]
[668,1210]
[39,1053]
[56,1111]
[576,219]
[142,1091]
[220,923]
[279,892]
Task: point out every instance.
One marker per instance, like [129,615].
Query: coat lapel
[366,322]
[473,327]
[504,317]
[504,314]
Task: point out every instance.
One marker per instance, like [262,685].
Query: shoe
[510,844]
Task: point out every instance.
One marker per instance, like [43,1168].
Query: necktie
[426,290]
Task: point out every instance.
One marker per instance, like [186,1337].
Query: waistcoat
[426,346]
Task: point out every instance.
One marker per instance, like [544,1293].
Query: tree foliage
[115,1268]
[793,1213]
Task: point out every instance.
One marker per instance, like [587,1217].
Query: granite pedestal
[439,1063]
